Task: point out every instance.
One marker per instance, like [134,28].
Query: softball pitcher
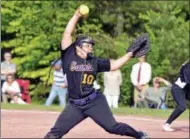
[81,68]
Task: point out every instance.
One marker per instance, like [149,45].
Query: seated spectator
[59,87]
[11,89]
[155,96]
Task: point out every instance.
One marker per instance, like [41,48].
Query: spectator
[11,90]
[140,77]
[112,83]
[155,96]
[59,87]
[7,67]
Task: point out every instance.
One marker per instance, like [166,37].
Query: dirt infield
[35,124]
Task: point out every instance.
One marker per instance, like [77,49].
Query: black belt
[85,100]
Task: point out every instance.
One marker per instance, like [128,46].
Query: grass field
[163,114]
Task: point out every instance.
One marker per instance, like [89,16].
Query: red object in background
[24,84]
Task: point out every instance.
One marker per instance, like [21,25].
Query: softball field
[35,124]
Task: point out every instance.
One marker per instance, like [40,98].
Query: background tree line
[32,30]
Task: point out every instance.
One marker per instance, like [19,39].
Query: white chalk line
[50,112]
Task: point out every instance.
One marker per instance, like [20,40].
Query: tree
[33,31]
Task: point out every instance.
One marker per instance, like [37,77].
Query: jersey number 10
[88,79]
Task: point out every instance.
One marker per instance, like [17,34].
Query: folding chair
[24,85]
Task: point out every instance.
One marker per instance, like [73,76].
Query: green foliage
[169,38]
[33,31]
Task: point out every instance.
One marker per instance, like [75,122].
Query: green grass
[39,107]
[120,111]
[156,113]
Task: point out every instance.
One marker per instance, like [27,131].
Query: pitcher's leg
[70,117]
[102,115]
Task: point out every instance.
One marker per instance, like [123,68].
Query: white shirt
[59,78]
[10,67]
[14,87]
[145,75]
[180,83]
[112,82]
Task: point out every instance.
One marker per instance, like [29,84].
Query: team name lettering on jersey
[80,67]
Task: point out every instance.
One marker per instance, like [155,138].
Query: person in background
[59,87]
[11,89]
[155,96]
[140,77]
[7,67]
[112,83]
[181,93]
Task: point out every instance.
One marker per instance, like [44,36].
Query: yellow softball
[83,9]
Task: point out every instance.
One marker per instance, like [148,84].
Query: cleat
[144,135]
[166,127]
